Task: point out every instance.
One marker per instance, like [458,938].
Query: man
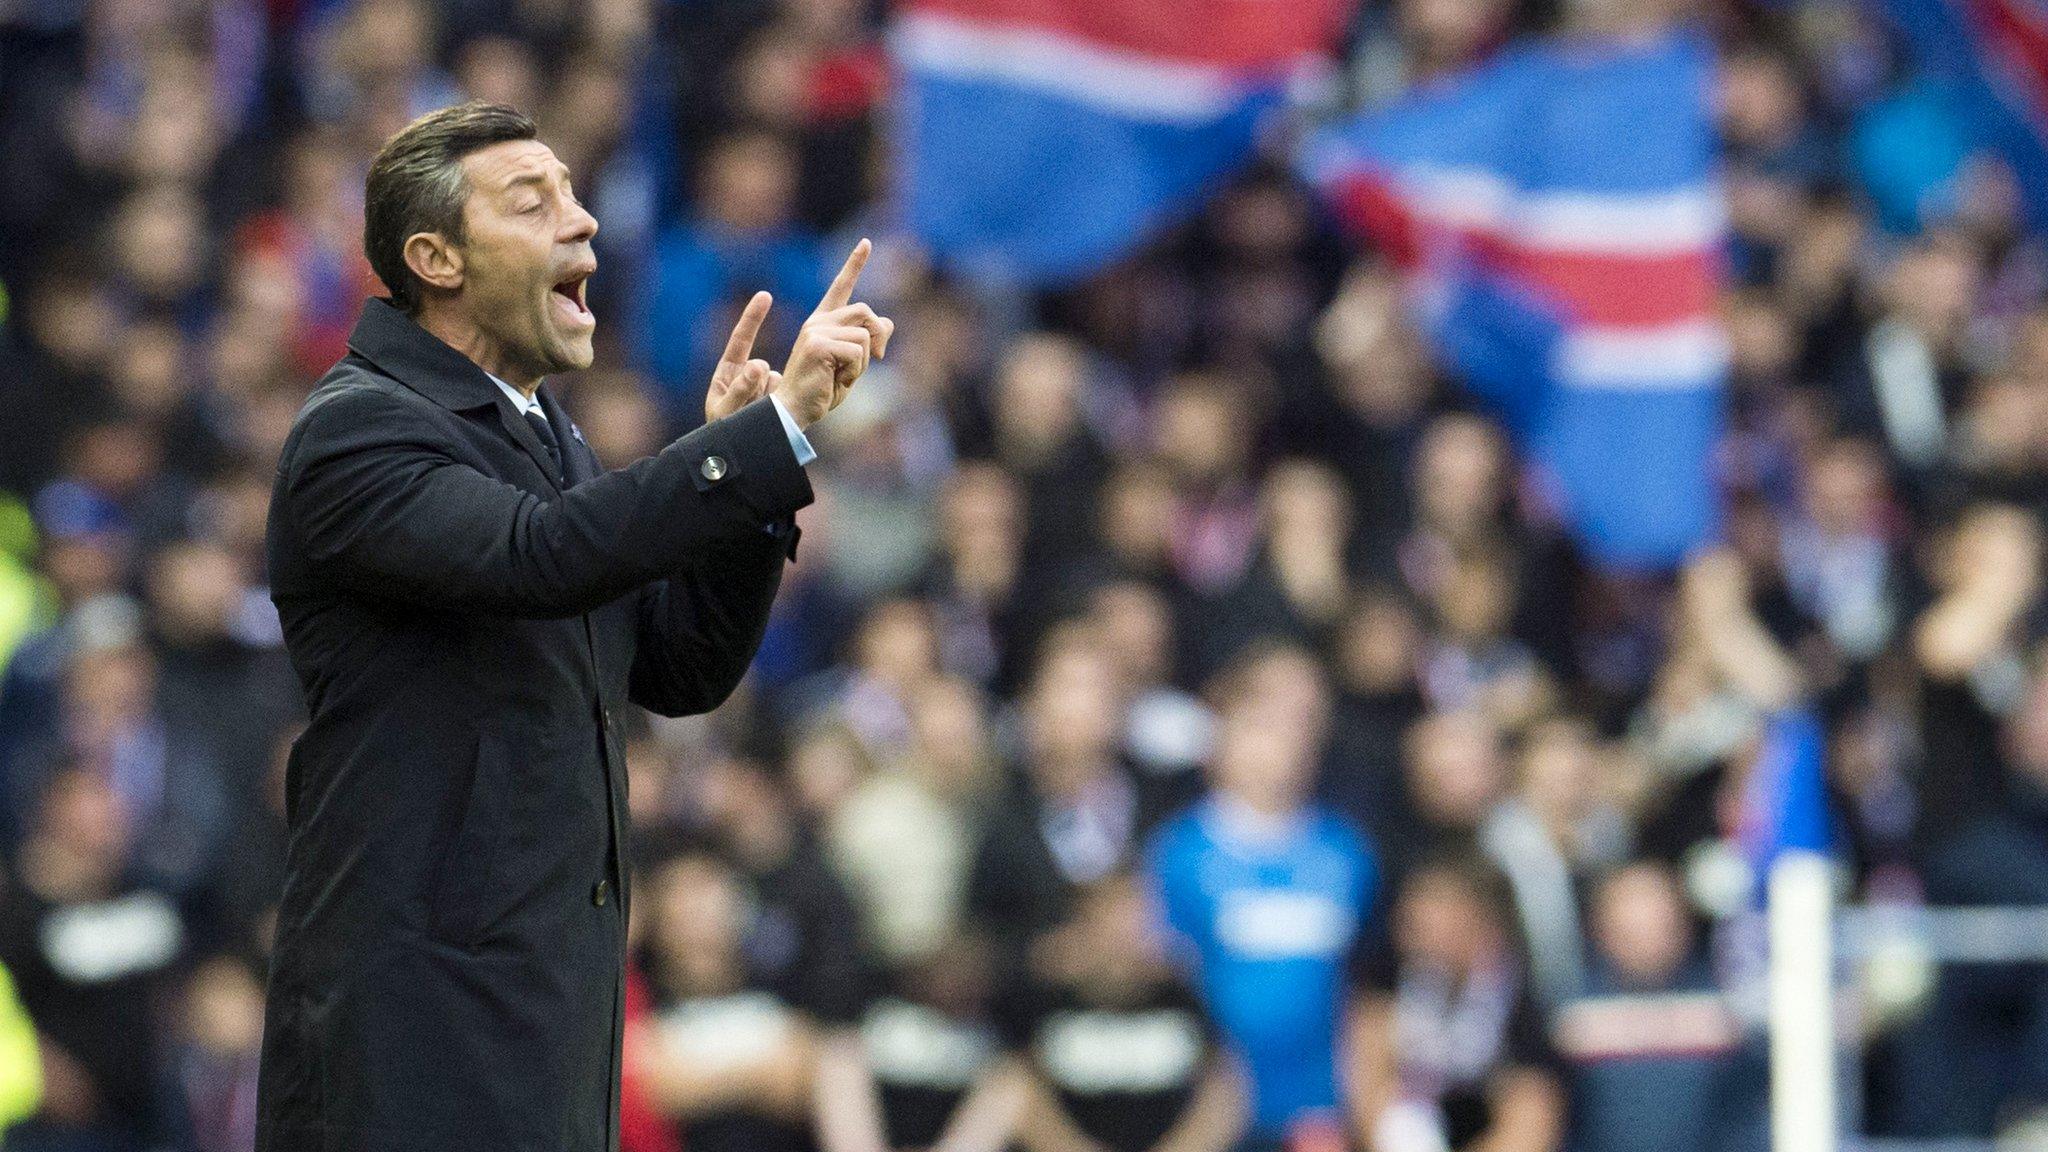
[1653,1052]
[1448,1050]
[1269,897]
[470,605]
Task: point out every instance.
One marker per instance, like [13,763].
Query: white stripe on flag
[1112,80]
[1659,224]
[1593,224]
[1688,355]
[1465,199]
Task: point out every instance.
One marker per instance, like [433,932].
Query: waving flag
[1045,138]
[1560,216]
[1993,57]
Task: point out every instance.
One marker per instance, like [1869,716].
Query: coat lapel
[578,460]
[523,435]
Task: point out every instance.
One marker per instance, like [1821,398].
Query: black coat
[449,962]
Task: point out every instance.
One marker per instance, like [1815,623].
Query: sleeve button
[601,892]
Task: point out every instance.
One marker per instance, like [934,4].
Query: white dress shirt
[798,442]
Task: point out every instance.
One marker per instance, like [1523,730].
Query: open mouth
[569,297]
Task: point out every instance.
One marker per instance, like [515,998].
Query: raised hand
[833,347]
[739,381]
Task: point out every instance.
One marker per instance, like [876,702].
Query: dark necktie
[546,432]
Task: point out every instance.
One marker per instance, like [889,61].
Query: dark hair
[1475,877]
[416,185]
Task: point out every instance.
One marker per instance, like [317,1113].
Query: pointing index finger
[841,290]
[741,344]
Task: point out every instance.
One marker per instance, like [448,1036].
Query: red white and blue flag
[1993,56]
[1046,138]
[1561,217]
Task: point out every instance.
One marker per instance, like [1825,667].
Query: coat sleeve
[700,628]
[379,500]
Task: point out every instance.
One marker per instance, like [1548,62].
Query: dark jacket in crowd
[449,964]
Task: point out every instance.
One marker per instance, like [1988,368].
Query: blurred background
[1291,648]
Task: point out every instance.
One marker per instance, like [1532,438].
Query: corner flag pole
[1799,894]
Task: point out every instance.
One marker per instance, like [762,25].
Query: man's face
[1640,924]
[1264,757]
[526,257]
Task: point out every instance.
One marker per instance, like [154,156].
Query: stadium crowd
[1184,726]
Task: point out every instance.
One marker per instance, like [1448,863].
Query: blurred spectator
[727,1059]
[1479,665]
[1550,838]
[1271,902]
[745,240]
[801,941]
[903,838]
[1657,1057]
[977,582]
[1296,585]
[1971,643]
[1169,732]
[1074,814]
[1122,1056]
[221,1037]
[91,951]
[1428,38]
[1986,1033]
[218,642]
[1377,662]
[1456,778]
[1451,1051]
[109,720]
[1040,403]
[925,1069]
[893,650]
[1775,152]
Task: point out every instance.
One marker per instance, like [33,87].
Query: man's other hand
[739,381]
[833,347]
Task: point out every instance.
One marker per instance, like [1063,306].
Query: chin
[574,355]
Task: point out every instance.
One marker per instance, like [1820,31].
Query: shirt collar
[520,400]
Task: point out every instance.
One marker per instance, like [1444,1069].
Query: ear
[434,260]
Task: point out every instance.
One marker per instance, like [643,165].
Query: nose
[579,225]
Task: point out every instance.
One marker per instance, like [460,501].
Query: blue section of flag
[1633,469]
[1041,188]
[1495,333]
[1995,82]
[1586,116]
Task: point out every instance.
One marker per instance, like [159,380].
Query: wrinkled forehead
[511,162]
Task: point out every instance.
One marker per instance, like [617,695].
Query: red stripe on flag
[1595,289]
[1247,36]
[1370,207]
[1617,291]
[2029,14]
[2017,40]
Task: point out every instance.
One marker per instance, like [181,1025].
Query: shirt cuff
[798,442]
